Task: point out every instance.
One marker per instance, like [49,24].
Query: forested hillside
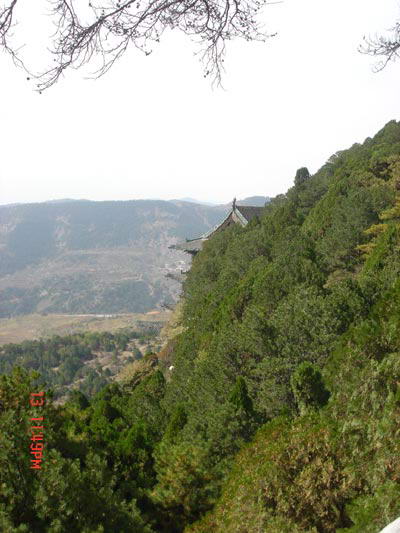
[83,361]
[282,410]
[94,257]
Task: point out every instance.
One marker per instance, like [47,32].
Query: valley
[35,326]
[82,257]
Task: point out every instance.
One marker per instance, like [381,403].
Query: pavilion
[239,214]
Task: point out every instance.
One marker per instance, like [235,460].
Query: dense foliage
[72,359]
[282,411]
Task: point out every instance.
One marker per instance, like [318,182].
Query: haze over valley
[94,257]
[83,257]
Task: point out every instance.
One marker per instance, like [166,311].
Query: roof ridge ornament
[234,204]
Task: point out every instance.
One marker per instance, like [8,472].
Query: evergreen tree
[302,176]
[239,396]
[308,387]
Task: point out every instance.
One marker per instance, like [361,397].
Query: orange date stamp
[37,399]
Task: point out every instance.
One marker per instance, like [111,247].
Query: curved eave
[191,246]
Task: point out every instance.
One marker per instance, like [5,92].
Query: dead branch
[386,47]
[104,35]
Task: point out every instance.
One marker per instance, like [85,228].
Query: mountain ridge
[84,256]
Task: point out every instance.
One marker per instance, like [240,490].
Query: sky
[153,127]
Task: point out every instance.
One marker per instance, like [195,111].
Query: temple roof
[239,214]
[249,211]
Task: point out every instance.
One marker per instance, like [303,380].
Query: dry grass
[35,326]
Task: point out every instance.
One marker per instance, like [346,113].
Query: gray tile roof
[241,214]
[249,211]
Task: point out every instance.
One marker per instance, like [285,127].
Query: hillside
[84,362]
[94,257]
[301,314]
[280,411]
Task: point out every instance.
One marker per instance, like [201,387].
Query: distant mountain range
[258,201]
[194,201]
[94,257]
[251,200]
[81,256]
[64,200]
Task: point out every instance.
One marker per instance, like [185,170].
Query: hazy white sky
[154,127]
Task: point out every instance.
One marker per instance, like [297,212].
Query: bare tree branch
[6,23]
[387,47]
[6,18]
[102,34]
